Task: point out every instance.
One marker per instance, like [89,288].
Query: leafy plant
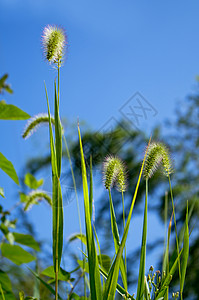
[102,271]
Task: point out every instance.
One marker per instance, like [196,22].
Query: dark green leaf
[5,281]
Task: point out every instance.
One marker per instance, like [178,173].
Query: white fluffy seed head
[157,156]
[114,172]
[54,42]
[35,122]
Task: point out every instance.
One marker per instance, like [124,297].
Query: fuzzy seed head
[34,123]
[114,172]
[35,196]
[54,41]
[157,156]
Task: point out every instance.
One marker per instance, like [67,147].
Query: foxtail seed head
[114,172]
[35,196]
[54,42]
[34,123]
[157,155]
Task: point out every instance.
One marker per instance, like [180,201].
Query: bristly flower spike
[35,196]
[35,122]
[114,172]
[157,155]
[54,42]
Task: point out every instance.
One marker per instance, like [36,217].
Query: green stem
[58,82]
[56,254]
[177,245]
[78,209]
[125,260]
[2,294]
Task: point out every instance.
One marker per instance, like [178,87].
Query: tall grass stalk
[141,277]
[176,233]
[78,208]
[125,259]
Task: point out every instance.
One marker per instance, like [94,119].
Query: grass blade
[57,207]
[44,283]
[165,265]
[185,254]
[2,293]
[141,278]
[146,290]
[94,274]
[58,135]
[111,283]
[91,189]
[168,278]
[116,238]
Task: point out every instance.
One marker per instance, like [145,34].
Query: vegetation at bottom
[130,162]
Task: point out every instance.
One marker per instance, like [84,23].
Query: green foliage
[11,112]
[95,264]
[2,192]
[32,182]
[16,254]
[95,281]
[8,168]
[4,86]
[26,240]
[62,274]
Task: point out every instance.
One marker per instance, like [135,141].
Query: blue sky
[115,48]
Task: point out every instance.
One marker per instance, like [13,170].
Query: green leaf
[11,112]
[165,282]
[79,236]
[185,254]
[44,283]
[3,79]
[32,182]
[146,290]
[119,288]
[111,283]
[21,295]
[8,168]
[8,296]
[5,281]
[62,275]
[91,188]
[105,262]
[2,192]
[27,240]
[16,254]
[94,273]
[6,287]
[116,238]
[2,293]
[141,278]
[57,201]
